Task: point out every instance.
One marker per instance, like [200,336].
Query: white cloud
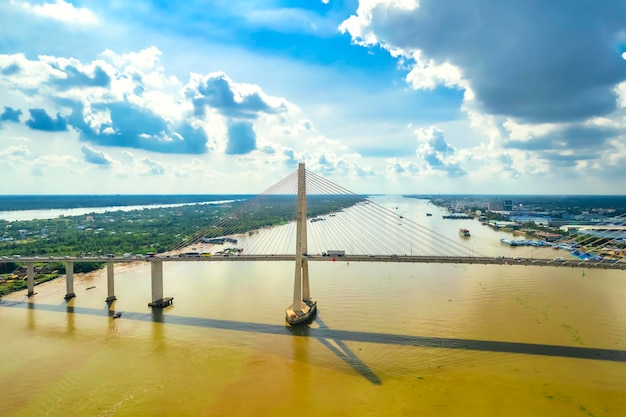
[360,24]
[153,167]
[242,100]
[49,164]
[399,168]
[426,74]
[196,168]
[435,154]
[17,161]
[93,156]
[62,11]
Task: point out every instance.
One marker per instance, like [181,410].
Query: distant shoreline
[43,202]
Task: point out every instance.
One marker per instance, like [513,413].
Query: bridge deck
[482,260]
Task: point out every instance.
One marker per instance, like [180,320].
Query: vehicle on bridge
[189,255]
[334,252]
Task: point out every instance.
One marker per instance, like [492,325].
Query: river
[389,339]
[15,215]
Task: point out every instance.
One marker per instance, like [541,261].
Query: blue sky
[227,96]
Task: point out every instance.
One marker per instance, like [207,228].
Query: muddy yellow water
[390,339]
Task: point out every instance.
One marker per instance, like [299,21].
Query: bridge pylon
[303,308]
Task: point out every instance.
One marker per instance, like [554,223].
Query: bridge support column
[30,278]
[156,272]
[69,280]
[303,308]
[306,291]
[110,283]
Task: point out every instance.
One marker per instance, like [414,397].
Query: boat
[464,232]
[428,214]
[511,242]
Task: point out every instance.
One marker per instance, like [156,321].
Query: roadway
[482,260]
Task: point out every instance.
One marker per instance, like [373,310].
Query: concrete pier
[156,272]
[69,280]
[30,278]
[110,283]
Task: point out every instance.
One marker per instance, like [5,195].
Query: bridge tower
[303,308]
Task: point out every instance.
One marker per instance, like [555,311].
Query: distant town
[546,217]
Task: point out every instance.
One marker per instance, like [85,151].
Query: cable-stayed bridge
[339,220]
[357,229]
[307,218]
[336,219]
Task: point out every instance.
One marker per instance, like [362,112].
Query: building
[495,205]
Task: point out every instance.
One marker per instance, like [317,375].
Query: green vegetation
[153,230]
[117,232]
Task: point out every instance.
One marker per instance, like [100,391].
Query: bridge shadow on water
[339,348]
[325,335]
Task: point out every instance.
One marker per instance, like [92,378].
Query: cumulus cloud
[544,83]
[241,138]
[128,157]
[41,120]
[576,138]
[128,100]
[328,163]
[133,126]
[218,91]
[436,152]
[290,156]
[195,169]
[532,61]
[15,150]
[95,157]
[62,11]
[100,104]
[154,167]
[74,77]
[294,129]
[10,115]
[397,167]
[42,165]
